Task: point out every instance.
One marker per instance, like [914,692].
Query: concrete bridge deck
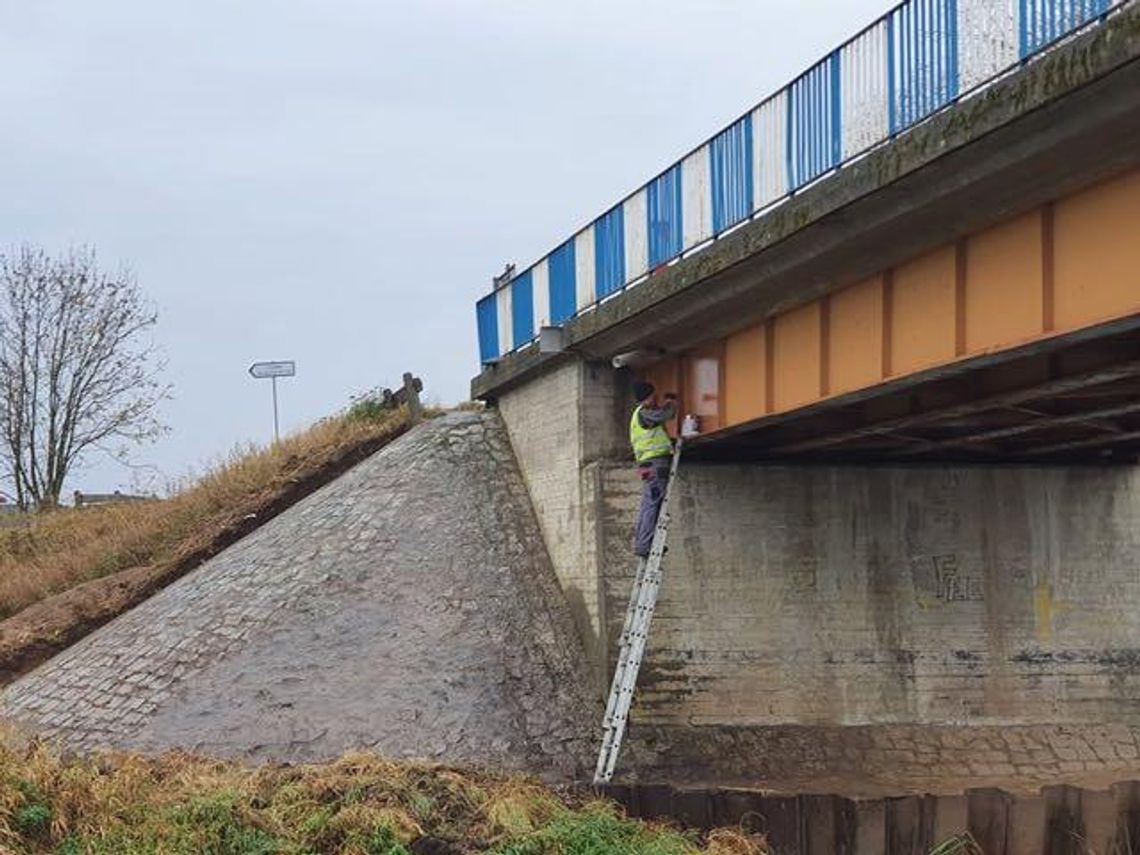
[965,291]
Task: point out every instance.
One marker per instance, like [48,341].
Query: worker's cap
[642,390]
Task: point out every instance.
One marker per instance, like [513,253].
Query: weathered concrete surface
[891,629]
[856,595]
[862,630]
[408,607]
[1022,141]
[558,428]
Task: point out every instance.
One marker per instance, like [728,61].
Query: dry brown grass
[359,804]
[59,550]
[728,841]
[69,573]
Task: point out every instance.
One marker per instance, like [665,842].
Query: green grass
[359,805]
[179,804]
[597,830]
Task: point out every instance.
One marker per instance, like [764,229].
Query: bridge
[902,296]
[900,597]
[918,249]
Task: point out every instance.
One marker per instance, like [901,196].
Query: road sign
[262,370]
[271,371]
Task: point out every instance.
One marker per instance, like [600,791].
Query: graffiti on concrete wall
[953,584]
[946,578]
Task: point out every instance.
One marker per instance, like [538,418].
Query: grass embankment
[65,573]
[360,804]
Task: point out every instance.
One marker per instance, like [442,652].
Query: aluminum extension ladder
[638,616]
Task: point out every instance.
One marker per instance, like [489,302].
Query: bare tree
[77,369]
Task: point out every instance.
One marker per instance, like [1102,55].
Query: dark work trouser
[655,478]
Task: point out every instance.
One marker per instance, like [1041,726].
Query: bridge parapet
[915,60]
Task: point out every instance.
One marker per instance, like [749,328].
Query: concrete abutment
[850,629]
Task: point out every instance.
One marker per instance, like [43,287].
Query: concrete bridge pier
[850,629]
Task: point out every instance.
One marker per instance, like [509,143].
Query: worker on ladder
[657,461]
[652,449]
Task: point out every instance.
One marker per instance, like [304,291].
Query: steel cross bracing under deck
[635,632]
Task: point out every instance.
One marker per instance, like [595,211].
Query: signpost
[273,370]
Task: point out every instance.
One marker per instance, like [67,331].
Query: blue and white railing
[916,59]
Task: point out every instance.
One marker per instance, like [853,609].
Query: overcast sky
[335,182]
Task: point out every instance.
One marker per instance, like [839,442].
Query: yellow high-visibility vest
[648,443]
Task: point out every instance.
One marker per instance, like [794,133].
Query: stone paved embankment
[409,607]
